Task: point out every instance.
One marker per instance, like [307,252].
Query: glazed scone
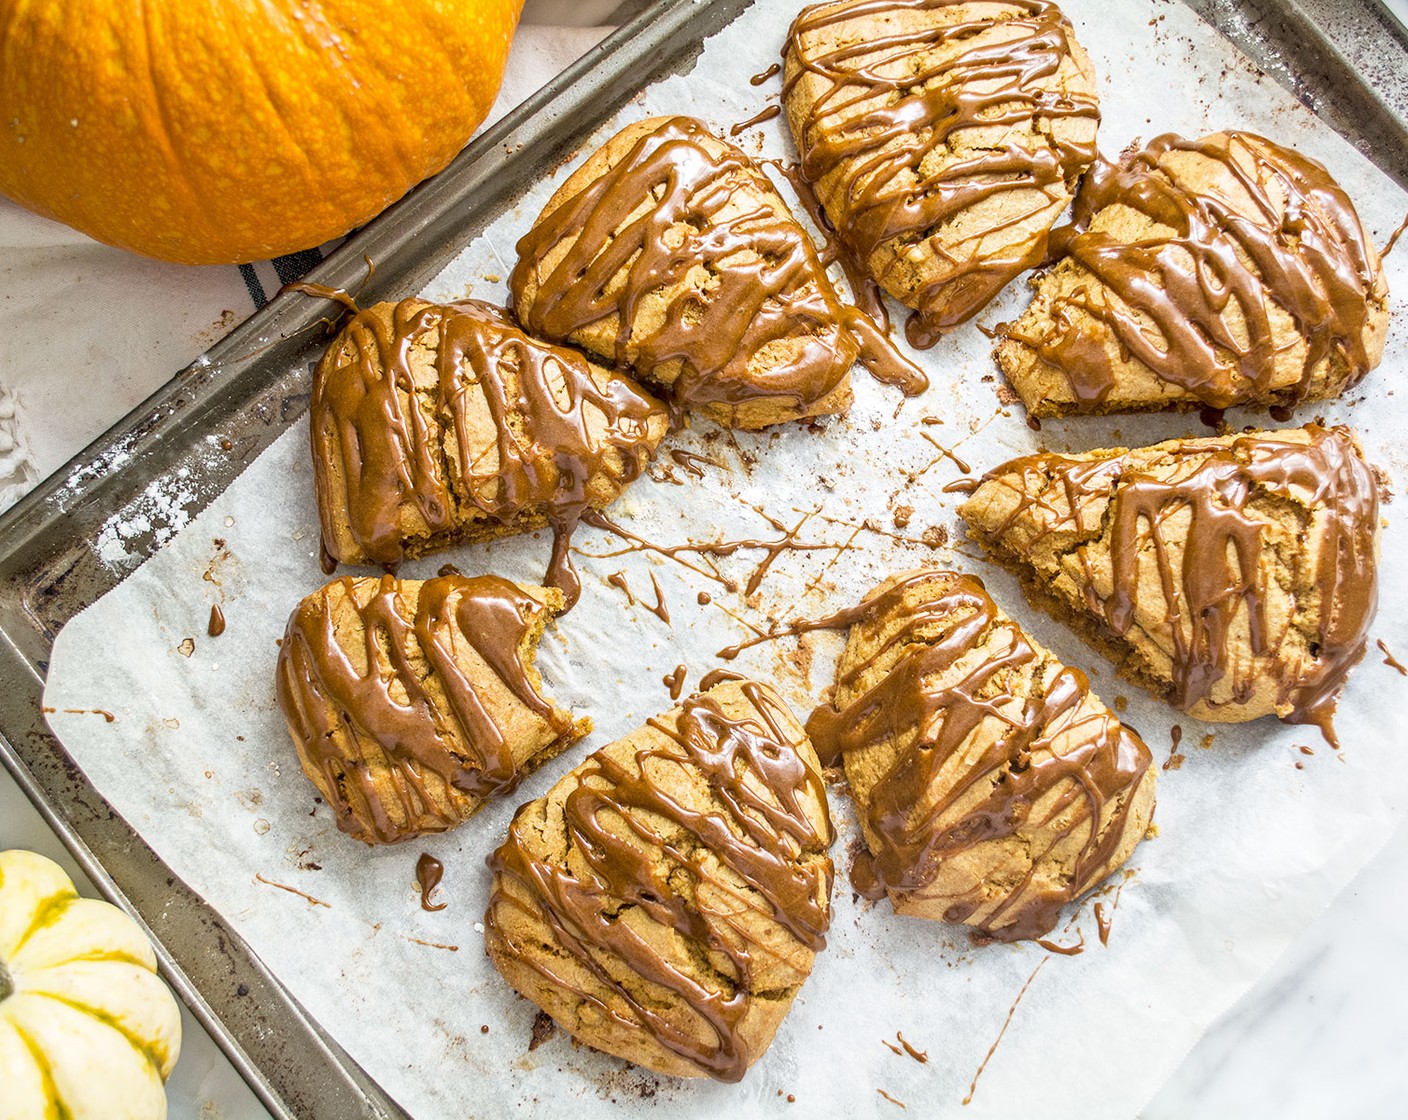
[412,702]
[1233,576]
[1215,272]
[669,252]
[943,140]
[665,900]
[992,786]
[438,423]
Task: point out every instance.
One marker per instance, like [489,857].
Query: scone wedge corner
[992,786]
[433,424]
[1234,576]
[943,139]
[1226,270]
[412,702]
[669,252]
[666,899]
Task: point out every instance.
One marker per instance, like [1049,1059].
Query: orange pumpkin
[232,130]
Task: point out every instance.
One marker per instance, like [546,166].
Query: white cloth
[91,331]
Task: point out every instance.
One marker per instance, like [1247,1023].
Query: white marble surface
[1321,1035]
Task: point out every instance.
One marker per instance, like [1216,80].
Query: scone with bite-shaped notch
[412,702]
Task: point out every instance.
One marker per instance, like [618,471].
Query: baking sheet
[1249,847]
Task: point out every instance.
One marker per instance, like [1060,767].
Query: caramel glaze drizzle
[766,283]
[1222,572]
[555,428]
[762,117]
[917,89]
[1391,661]
[1091,758]
[616,817]
[429,872]
[674,681]
[869,308]
[774,548]
[1207,286]
[1393,238]
[339,714]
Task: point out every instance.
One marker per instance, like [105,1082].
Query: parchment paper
[1254,835]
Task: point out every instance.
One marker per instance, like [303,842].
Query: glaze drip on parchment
[429,872]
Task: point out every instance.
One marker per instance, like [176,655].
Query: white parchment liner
[1249,848]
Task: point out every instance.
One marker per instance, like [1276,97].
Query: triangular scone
[943,140]
[666,899]
[1214,272]
[992,786]
[1234,576]
[411,703]
[668,251]
[438,423]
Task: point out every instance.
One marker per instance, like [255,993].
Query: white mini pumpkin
[87,1029]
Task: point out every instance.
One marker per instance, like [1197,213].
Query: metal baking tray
[250,387]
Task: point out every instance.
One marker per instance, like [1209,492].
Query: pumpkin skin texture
[235,130]
[87,1029]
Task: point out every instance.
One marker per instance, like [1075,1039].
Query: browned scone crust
[438,423]
[665,900]
[1234,576]
[668,251]
[943,139]
[993,786]
[412,702]
[1216,272]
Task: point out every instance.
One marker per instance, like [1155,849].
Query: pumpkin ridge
[308,176]
[46,1075]
[402,149]
[174,171]
[46,914]
[155,1059]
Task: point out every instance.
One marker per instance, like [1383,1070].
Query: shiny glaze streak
[554,428]
[613,820]
[921,88]
[1208,282]
[1223,571]
[1049,745]
[341,716]
[766,284]
[429,872]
